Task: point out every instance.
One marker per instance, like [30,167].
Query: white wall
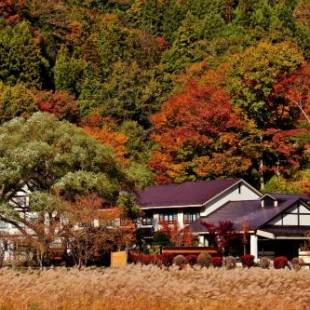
[232,195]
[292,218]
[254,246]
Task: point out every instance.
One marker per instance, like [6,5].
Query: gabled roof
[184,194]
[248,211]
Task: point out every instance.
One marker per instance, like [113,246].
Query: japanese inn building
[278,224]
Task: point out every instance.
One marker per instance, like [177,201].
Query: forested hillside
[181,89]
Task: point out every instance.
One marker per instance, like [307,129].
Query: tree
[223,234]
[201,135]
[187,47]
[16,101]
[130,93]
[253,74]
[20,57]
[299,183]
[138,145]
[11,10]
[68,72]
[92,231]
[52,162]
[294,92]
[60,103]
[105,135]
[252,77]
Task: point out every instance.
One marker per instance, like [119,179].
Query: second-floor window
[168,217]
[190,217]
[147,220]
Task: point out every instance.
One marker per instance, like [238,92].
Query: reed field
[149,287]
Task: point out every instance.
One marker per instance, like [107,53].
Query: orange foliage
[74,31]
[86,209]
[106,136]
[199,133]
[187,237]
[294,91]
[10,10]
[179,237]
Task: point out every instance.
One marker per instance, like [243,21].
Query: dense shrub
[217,261]
[247,260]
[204,259]
[280,262]
[230,262]
[164,259]
[297,263]
[192,259]
[180,261]
[167,259]
[264,262]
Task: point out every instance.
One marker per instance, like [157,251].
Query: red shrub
[166,259]
[192,259]
[280,262]
[133,257]
[155,259]
[217,261]
[247,260]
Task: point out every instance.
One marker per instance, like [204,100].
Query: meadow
[149,287]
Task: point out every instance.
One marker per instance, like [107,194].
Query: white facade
[238,192]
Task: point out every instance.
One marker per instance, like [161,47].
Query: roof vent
[268,201]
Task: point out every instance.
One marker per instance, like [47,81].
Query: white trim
[230,187]
[235,231]
[173,207]
[265,234]
[268,195]
[292,238]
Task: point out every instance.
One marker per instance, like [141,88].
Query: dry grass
[148,287]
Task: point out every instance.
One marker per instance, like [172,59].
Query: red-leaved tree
[201,135]
[223,234]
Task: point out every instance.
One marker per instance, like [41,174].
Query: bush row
[206,260]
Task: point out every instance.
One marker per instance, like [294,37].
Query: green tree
[20,58]
[130,93]
[68,72]
[54,162]
[254,72]
[16,101]
[187,48]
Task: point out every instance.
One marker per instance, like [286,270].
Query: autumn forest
[167,90]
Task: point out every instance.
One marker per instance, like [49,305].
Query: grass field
[148,287]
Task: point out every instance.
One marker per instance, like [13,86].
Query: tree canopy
[116,67]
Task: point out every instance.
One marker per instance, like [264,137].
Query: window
[147,220]
[168,217]
[190,217]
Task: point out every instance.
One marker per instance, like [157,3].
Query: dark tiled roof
[281,196]
[188,193]
[248,211]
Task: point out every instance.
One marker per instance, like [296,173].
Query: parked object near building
[119,259]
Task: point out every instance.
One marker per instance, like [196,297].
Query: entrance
[288,248]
